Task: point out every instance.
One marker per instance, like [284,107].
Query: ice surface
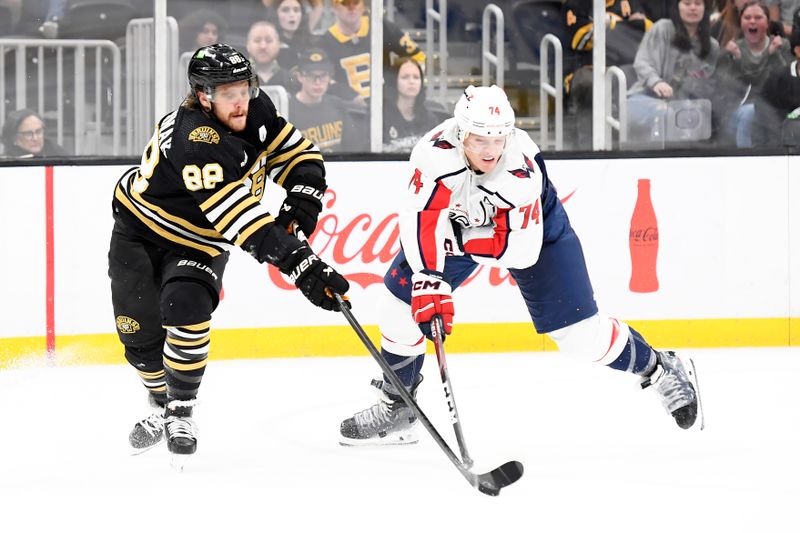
[599,454]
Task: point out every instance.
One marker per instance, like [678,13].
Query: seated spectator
[322,118]
[201,28]
[742,70]
[347,43]
[781,94]
[676,60]
[24,136]
[625,24]
[293,31]
[263,47]
[405,117]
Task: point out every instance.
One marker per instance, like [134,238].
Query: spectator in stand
[347,42]
[405,117]
[24,136]
[676,60]
[742,71]
[781,94]
[292,30]
[782,12]
[201,28]
[263,47]
[322,118]
[727,26]
[625,24]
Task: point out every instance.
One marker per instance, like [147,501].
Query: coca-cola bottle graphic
[643,241]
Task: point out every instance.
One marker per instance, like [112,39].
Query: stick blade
[491,482]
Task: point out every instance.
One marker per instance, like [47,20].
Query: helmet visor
[233,90]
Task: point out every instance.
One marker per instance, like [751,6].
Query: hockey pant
[163,300]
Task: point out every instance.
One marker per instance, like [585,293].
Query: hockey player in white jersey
[478,193]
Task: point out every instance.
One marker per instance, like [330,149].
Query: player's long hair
[682,41]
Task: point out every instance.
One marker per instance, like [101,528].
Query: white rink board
[728,228]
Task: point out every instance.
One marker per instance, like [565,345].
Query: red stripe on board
[49,263]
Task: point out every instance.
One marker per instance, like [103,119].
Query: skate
[675,383]
[390,421]
[147,433]
[181,431]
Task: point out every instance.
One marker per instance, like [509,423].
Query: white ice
[599,454]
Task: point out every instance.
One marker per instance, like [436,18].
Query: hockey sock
[406,368]
[637,356]
[155,384]
[185,355]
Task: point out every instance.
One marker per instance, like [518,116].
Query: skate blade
[700,423]
[178,461]
[397,439]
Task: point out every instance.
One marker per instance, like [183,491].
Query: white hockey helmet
[484,111]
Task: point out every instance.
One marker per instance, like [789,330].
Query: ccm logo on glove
[431,296]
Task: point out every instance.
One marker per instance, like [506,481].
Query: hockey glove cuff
[303,204]
[430,296]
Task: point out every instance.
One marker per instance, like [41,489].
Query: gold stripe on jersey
[205,232]
[220,196]
[292,151]
[305,157]
[287,129]
[234,212]
[158,230]
[255,226]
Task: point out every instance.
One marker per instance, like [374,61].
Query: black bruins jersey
[350,55]
[200,186]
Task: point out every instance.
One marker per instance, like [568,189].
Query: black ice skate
[180,430]
[676,385]
[147,433]
[390,421]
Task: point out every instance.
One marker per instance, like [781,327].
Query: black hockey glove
[303,204]
[314,277]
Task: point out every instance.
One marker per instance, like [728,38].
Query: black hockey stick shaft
[489,483]
[437,331]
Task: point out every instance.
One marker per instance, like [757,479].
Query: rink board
[727,263]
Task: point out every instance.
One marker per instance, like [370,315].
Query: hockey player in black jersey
[194,196]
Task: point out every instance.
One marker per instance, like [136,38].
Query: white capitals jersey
[499,213]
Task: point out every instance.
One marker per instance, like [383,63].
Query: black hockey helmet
[218,64]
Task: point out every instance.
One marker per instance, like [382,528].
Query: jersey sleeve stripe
[220,195]
[495,246]
[232,213]
[279,139]
[231,232]
[135,197]
[238,194]
[305,157]
[304,145]
[254,226]
[427,222]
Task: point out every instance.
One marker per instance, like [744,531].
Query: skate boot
[180,430]
[148,432]
[676,385]
[390,421]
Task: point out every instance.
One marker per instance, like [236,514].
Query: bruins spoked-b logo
[204,134]
[126,324]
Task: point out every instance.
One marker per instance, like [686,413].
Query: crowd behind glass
[731,66]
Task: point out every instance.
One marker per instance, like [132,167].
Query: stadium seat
[96,19]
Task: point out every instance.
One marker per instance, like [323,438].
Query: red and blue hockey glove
[431,296]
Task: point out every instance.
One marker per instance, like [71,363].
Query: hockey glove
[303,204]
[314,277]
[431,296]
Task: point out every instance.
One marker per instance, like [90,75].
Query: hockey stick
[437,332]
[489,483]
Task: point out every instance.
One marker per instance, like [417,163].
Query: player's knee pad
[598,338]
[186,301]
[400,335]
